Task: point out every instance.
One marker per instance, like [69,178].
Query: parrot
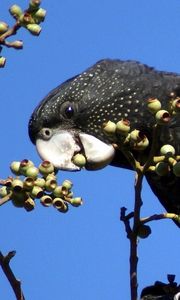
[69,120]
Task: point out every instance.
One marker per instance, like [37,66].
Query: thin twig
[15,283]
[162,216]
[5,199]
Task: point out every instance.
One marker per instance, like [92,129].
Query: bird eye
[69,112]
[46,133]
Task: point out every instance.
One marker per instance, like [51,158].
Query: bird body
[69,120]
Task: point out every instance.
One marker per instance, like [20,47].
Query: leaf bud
[154,105]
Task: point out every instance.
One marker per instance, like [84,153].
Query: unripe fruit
[162,117]
[34,29]
[135,135]
[28,183]
[29,204]
[154,105]
[3,27]
[123,127]
[17,44]
[15,11]
[40,182]
[51,176]
[144,231]
[76,201]
[64,209]
[32,172]
[3,191]
[40,15]
[58,191]
[58,203]
[162,168]
[46,200]
[2,61]
[50,185]
[19,198]
[79,160]
[15,167]
[37,192]
[109,128]
[67,184]
[176,105]
[176,169]
[34,3]
[142,145]
[167,149]
[17,185]
[46,168]
[24,165]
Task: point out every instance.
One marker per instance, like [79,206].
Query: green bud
[17,44]
[76,201]
[154,105]
[40,182]
[40,15]
[34,29]
[167,149]
[24,165]
[29,204]
[57,192]
[79,160]
[37,192]
[3,27]
[50,185]
[2,61]
[34,4]
[162,117]
[162,168]
[67,184]
[15,11]
[28,183]
[176,105]
[15,167]
[17,185]
[3,191]
[46,168]
[46,200]
[32,172]
[109,128]
[176,169]
[143,231]
[123,127]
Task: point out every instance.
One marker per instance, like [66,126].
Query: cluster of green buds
[29,19]
[121,133]
[32,183]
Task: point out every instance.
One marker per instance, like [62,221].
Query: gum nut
[40,15]
[142,145]
[176,169]
[176,105]
[109,127]
[64,209]
[34,29]
[40,182]
[29,204]
[3,27]
[135,135]
[79,160]
[28,183]
[76,201]
[46,168]
[51,176]
[162,168]
[143,231]
[46,200]
[162,117]
[35,3]
[15,167]
[32,172]
[167,149]
[67,184]
[17,185]
[58,203]
[58,191]
[2,61]
[19,198]
[3,191]
[24,165]
[37,192]
[50,185]
[123,127]
[154,105]
[15,11]
[17,44]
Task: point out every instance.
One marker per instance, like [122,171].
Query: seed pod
[162,168]
[123,127]
[57,192]
[167,149]
[17,185]
[15,11]
[15,167]
[64,208]
[37,192]
[142,145]
[24,165]
[176,105]
[109,128]
[39,15]
[46,168]
[3,191]
[34,29]
[162,117]
[19,198]
[154,105]
[79,160]
[50,185]
[135,135]
[143,231]
[32,172]
[67,184]
[76,201]
[46,200]
[40,182]
[29,204]
[51,176]
[17,44]
[34,4]
[3,27]
[2,61]
[58,203]
[176,169]
[28,183]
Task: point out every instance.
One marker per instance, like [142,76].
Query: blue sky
[84,253]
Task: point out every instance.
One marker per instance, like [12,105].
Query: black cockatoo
[69,119]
